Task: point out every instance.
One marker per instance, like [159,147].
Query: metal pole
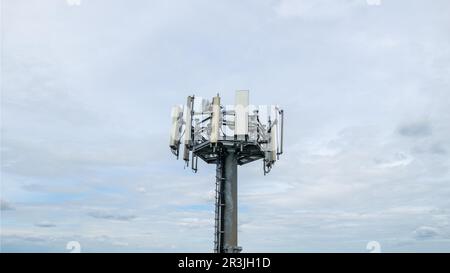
[230,235]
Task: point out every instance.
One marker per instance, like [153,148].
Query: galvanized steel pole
[230,237]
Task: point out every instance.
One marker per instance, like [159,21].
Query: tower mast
[227,138]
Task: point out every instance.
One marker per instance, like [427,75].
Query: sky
[86,92]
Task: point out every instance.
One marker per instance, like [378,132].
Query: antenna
[227,137]
[177,123]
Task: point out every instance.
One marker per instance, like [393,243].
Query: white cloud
[45,224]
[112,215]
[322,9]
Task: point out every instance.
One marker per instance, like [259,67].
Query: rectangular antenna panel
[274,142]
[188,121]
[241,114]
[188,127]
[177,120]
[215,120]
[274,134]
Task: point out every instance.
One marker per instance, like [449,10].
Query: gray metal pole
[230,236]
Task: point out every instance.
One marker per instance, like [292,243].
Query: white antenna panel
[274,141]
[241,114]
[177,122]
[188,121]
[215,120]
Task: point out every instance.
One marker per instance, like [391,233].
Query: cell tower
[227,136]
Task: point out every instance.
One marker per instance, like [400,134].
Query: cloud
[141,189]
[438,148]
[45,224]
[397,160]
[195,222]
[313,9]
[425,232]
[112,216]
[22,237]
[415,129]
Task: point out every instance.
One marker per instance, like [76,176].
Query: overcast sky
[85,113]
